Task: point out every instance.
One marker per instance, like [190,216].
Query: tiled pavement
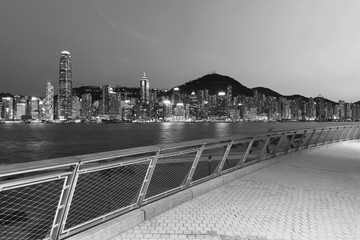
[311,195]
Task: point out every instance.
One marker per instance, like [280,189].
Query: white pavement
[311,195]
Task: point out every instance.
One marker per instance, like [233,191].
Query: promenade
[307,195]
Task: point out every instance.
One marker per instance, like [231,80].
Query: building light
[176,89]
[221,93]
[166,102]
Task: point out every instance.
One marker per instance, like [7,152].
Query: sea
[32,142]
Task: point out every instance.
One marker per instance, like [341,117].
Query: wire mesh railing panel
[296,140]
[208,162]
[235,155]
[255,150]
[283,144]
[314,139]
[346,132]
[101,192]
[305,139]
[28,212]
[352,132]
[330,134]
[337,134]
[271,147]
[170,172]
[321,138]
[357,133]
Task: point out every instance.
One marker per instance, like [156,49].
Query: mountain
[6,94]
[296,96]
[95,91]
[215,83]
[267,92]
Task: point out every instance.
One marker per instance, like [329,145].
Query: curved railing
[57,198]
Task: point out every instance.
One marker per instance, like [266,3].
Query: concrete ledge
[111,228]
[207,186]
[167,203]
[247,170]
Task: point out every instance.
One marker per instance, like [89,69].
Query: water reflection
[30,142]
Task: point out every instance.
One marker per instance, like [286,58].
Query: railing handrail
[18,168]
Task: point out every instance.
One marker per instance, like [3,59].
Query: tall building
[34,106]
[8,106]
[76,107]
[86,106]
[144,90]
[20,110]
[65,86]
[49,102]
[106,90]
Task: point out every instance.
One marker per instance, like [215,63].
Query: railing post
[318,137]
[341,134]
[264,148]
[241,163]
[312,135]
[221,165]
[147,179]
[327,134]
[193,167]
[301,140]
[347,136]
[273,154]
[357,128]
[332,138]
[290,142]
[64,204]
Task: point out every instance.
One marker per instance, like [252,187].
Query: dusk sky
[304,47]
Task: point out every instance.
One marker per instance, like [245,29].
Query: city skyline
[304,47]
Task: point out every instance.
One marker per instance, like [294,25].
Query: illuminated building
[144,90]
[105,99]
[86,106]
[115,106]
[49,102]
[179,112]
[65,86]
[20,110]
[222,105]
[193,106]
[8,105]
[34,106]
[76,107]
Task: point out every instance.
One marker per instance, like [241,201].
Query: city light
[221,93]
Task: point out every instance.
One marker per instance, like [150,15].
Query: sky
[293,47]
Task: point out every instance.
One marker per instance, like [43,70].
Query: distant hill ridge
[215,83]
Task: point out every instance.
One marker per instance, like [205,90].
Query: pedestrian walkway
[310,195]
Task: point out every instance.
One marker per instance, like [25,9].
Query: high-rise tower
[49,102]
[144,90]
[65,86]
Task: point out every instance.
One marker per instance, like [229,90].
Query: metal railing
[57,198]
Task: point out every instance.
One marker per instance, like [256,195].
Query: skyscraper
[144,90]
[65,86]
[49,102]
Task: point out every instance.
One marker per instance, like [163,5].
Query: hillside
[215,83]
